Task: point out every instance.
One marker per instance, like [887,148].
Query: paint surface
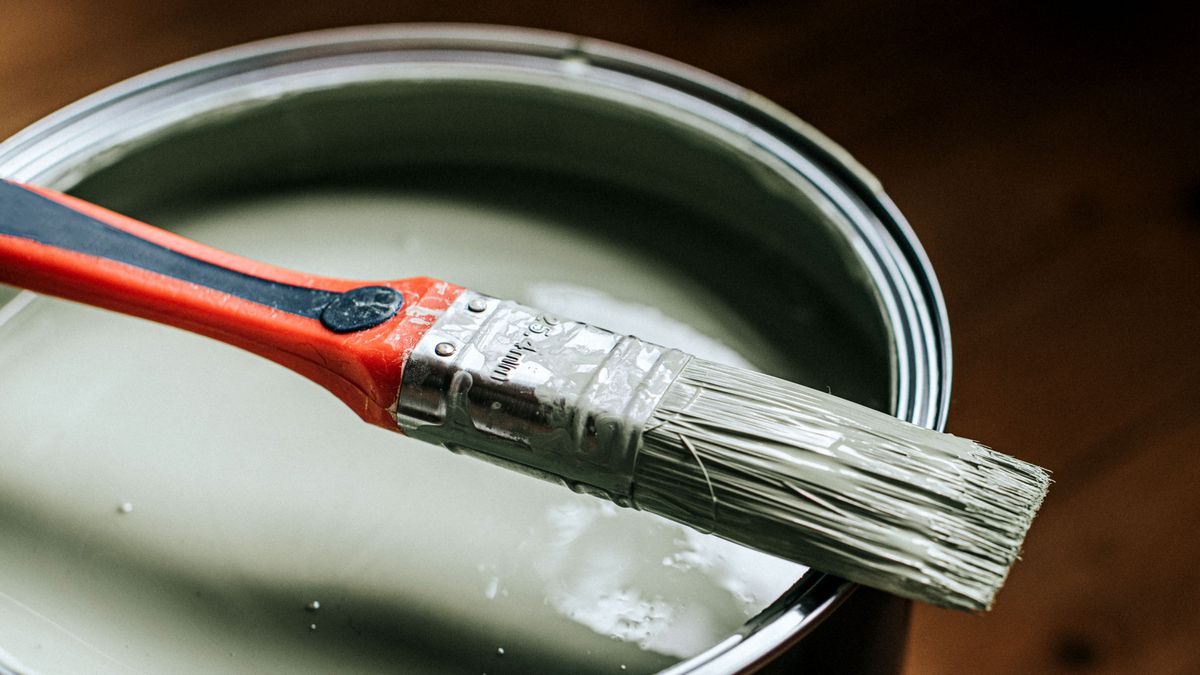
[195,509]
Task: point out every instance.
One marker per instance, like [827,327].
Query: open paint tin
[168,504]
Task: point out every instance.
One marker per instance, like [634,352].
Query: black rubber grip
[29,215]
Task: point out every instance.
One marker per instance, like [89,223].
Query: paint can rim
[51,151]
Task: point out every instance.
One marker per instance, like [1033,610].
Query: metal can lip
[65,146]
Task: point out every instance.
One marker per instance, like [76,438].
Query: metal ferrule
[558,399]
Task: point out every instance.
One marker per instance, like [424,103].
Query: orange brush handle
[351,337]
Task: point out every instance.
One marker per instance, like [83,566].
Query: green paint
[256,493]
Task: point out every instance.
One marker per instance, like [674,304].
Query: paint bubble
[125,507]
[313,606]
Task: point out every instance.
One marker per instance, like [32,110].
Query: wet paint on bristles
[805,475]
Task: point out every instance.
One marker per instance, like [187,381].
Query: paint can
[771,235]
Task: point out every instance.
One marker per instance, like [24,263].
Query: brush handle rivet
[536,327]
[445,349]
[477,304]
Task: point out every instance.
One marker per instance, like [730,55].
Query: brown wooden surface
[1049,160]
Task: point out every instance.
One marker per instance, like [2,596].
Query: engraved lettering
[524,345]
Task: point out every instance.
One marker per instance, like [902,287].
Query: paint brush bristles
[848,490]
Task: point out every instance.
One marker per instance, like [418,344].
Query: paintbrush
[767,463]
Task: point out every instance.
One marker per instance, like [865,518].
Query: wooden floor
[1049,160]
